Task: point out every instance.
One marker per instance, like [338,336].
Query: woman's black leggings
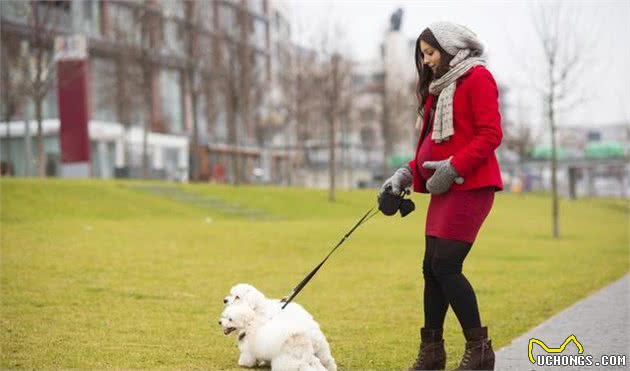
[445,284]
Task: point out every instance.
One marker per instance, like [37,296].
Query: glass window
[174,37]
[173,8]
[256,6]
[103,89]
[125,27]
[95,160]
[133,98]
[88,11]
[91,17]
[202,118]
[17,11]
[260,63]
[102,159]
[18,156]
[205,10]
[260,33]
[111,158]
[135,156]
[56,13]
[10,78]
[171,94]
[50,106]
[228,20]
[204,48]
[49,103]
[287,29]
[281,26]
[220,127]
[171,163]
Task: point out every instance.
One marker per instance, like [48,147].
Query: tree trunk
[333,122]
[147,123]
[41,155]
[555,210]
[28,147]
[194,153]
[385,133]
[233,137]
[8,157]
[9,108]
[554,184]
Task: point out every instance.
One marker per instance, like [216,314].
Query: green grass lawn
[132,274]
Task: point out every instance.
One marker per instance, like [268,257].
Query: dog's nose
[219,323]
[224,301]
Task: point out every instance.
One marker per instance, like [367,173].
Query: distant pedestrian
[454,162]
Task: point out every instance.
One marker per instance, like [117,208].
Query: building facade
[195,70]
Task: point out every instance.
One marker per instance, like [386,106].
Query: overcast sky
[507,31]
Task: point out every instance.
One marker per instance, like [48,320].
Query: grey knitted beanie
[457,40]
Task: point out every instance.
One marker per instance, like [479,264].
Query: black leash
[308,277]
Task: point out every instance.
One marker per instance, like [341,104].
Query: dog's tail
[322,351]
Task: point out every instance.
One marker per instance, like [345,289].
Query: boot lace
[419,358]
[466,359]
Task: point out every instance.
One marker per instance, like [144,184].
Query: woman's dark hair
[425,75]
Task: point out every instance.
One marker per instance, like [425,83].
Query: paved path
[599,322]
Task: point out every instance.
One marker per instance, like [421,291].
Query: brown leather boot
[432,355]
[479,354]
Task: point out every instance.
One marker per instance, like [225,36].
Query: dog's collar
[241,336]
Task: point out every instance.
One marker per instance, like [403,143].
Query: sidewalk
[599,322]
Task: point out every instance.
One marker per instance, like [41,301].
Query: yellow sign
[560,349]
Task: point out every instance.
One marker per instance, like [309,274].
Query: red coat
[477,125]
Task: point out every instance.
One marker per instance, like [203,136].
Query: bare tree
[241,76]
[517,127]
[333,121]
[149,21]
[397,114]
[303,98]
[340,97]
[398,98]
[335,87]
[229,82]
[36,56]
[195,54]
[136,29]
[12,94]
[563,51]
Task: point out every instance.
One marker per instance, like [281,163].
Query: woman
[455,163]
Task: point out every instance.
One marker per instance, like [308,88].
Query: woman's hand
[443,177]
[401,180]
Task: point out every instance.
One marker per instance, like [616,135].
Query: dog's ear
[242,315]
[241,288]
[250,315]
[250,301]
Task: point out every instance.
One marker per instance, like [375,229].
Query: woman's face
[431,56]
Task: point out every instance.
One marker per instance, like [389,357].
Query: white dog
[248,294]
[282,340]
[293,318]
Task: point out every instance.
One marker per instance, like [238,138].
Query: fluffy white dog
[282,340]
[288,331]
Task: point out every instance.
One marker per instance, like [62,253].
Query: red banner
[74,110]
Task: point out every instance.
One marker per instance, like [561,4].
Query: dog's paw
[263,364]
[246,360]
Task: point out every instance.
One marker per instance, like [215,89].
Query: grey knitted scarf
[463,44]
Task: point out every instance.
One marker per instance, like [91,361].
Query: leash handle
[309,276]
